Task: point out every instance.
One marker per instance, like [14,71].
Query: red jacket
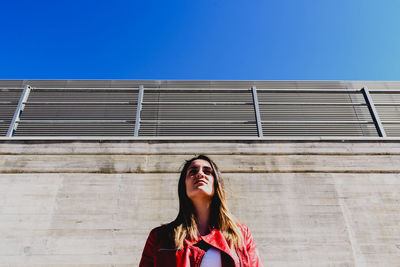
[160,250]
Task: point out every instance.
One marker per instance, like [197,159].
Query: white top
[212,258]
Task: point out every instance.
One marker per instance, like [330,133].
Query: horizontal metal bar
[85,89]
[197,103]
[199,89]
[385,91]
[5,121]
[312,104]
[315,122]
[79,103]
[375,91]
[386,104]
[8,102]
[309,90]
[390,122]
[13,88]
[76,121]
[198,121]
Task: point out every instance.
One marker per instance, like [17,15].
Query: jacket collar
[217,240]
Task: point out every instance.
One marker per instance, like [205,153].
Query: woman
[204,233]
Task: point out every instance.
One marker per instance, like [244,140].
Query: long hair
[185,226]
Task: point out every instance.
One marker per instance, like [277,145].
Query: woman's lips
[200,181]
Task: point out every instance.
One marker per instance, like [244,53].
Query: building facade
[311,167]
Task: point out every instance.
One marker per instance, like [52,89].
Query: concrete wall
[308,203]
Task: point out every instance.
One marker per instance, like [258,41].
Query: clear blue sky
[234,40]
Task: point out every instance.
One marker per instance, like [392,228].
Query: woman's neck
[202,208]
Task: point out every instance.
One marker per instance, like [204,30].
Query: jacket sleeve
[149,251]
[251,248]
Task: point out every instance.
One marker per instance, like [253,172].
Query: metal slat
[324,91]
[312,104]
[326,122]
[197,121]
[198,103]
[75,121]
[78,103]
[202,90]
[8,102]
[84,89]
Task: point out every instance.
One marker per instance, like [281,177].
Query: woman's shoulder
[162,229]
[161,235]
[246,233]
[243,228]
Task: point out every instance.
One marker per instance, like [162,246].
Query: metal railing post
[139,110]
[18,111]
[257,111]
[373,112]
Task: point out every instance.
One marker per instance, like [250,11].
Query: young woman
[204,233]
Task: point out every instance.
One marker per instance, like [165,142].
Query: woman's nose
[200,173]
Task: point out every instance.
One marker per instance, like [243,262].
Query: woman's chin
[200,192]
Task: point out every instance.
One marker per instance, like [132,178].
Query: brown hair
[185,226]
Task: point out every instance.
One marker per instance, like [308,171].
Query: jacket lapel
[217,240]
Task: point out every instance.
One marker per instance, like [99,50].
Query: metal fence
[253,111]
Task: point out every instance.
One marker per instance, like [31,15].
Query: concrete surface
[308,203]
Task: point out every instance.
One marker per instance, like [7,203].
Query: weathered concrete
[308,203]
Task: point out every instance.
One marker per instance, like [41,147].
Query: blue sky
[219,40]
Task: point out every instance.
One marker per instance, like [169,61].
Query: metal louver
[185,108]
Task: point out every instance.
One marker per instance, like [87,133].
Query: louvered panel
[75,129]
[392,130]
[217,96]
[321,129]
[388,112]
[382,100]
[4,128]
[334,107]
[307,97]
[84,96]
[200,111]
[8,104]
[313,113]
[197,129]
[200,108]
[10,95]
[79,112]
[386,98]
[100,105]
[7,111]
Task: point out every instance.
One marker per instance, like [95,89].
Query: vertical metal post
[139,110]
[18,111]
[257,111]
[374,113]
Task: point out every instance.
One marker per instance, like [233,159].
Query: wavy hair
[185,226]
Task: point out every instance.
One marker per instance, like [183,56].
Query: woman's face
[199,180]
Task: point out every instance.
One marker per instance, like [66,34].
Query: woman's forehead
[200,163]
